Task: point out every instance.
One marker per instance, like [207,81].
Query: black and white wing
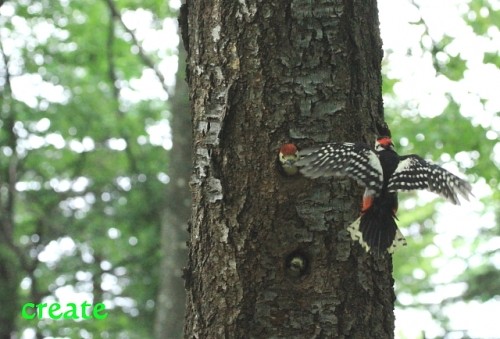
[354,160]
[413,172]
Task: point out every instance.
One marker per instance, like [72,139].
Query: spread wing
[354,160]
[413,173]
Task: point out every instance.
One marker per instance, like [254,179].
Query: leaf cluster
[88,195]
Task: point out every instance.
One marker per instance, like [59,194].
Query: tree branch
[142,54]
[7,208]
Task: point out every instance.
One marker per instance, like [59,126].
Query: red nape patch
[384,141]
[288,149]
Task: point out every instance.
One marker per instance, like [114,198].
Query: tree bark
[269,255]
[171,296]
[11,257]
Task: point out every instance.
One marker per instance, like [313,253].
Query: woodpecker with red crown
[288,156]
[383,172]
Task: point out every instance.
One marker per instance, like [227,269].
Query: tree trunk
[171,296]
[269,255]
[9,282]
[11,257]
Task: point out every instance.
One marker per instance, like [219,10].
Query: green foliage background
[88,173]
[87,167]
[449,137]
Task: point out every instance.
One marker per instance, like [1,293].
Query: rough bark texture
[171,297]
[269,255]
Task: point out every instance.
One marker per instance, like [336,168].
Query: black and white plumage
[355,160]
[413,172]
[383,172]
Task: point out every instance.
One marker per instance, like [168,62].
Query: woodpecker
[383,173]
[288,156]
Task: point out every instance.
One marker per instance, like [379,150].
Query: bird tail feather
[377,232]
